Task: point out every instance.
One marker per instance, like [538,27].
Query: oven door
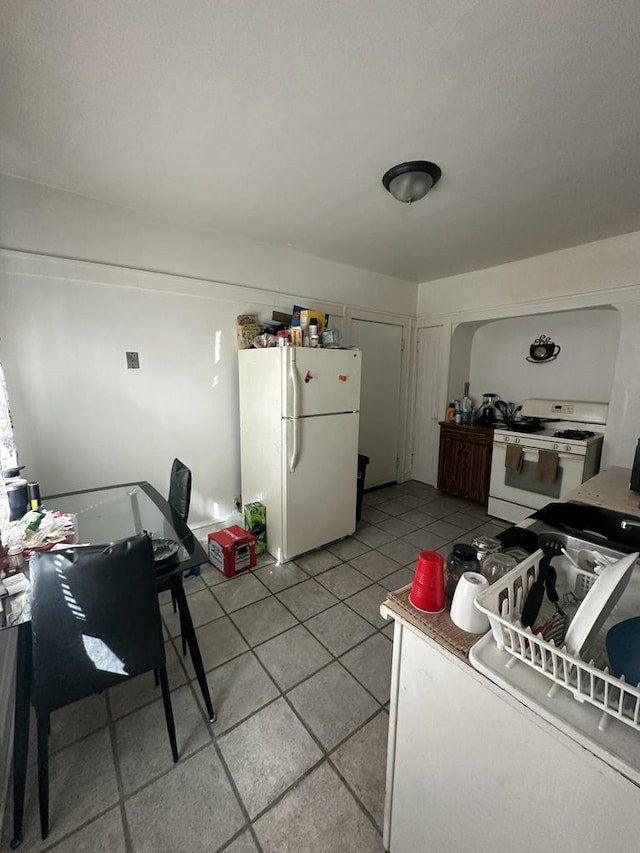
[523,487]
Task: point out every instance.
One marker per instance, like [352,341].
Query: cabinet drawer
[473,435]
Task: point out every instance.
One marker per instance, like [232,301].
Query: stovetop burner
[575,434]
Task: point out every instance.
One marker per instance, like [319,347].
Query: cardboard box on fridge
[232,550]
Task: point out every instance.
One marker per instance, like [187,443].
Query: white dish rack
[587,680]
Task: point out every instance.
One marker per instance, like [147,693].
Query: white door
[381,345]
[429,410]
[319,500]
[324,381]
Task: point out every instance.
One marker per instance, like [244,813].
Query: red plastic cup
[427,592]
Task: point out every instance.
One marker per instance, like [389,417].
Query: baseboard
[202,529]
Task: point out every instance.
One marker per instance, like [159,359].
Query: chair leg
[21,729]
[168,712]
[194,649]
[43,770]
[156,677]
[182,633]
[183,637]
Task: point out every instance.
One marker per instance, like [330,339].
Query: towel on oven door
[547,466]
[513,458]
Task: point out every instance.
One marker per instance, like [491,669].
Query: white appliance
[514,495]
[299,420]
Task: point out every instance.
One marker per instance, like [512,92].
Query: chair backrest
[180,489]
[95,619]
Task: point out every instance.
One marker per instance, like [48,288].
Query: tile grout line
[116,763]
[111,723]
[325,753]
[213,741]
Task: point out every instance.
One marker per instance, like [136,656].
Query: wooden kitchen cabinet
[464,463]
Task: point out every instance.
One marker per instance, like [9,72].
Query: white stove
[524,482]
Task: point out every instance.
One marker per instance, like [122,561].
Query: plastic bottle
[235,518]
[314,337]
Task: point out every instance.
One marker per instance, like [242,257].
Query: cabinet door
[465,463]
[450,464]
[478,469]
[457,780]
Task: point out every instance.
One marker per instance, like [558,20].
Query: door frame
[407,367]
[442,380]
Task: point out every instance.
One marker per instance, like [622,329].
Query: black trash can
[363,461]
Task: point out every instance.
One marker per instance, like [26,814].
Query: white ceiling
[276,119]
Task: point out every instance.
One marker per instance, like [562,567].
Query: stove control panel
[562,408]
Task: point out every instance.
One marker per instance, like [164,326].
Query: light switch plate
[133,362]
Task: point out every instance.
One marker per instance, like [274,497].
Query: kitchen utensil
[463,558]
[552,547]
[502,407]
[496,566]
[570,558]
[519,554]
[598,604]
[533,602]
[508,411]
[464,612]
[427,591]
[555,629]
[485,545]
[623,649]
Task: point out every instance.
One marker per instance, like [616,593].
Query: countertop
[609,489]
[474,425]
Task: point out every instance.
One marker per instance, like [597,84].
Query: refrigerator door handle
[294,445]
[293,373]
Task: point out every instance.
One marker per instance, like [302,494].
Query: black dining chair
[180,489]
[95,619]
[179,501]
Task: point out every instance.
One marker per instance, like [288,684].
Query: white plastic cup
[464,612]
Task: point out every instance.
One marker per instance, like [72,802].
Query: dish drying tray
[587,680]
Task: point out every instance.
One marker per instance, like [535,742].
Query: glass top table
[105,515]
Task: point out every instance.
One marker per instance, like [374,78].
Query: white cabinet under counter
[472,769]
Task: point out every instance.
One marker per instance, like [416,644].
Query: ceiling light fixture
[409,182]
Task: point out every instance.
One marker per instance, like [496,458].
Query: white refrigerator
[299,419]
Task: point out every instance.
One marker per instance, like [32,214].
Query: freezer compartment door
[321,381]
[319,497]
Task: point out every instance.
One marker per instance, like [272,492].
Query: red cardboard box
[232,550]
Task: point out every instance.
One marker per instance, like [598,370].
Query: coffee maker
[486,414]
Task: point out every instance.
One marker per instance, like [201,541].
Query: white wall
[81,418]
[43,220]
[583,370]
[577,272]
[604,273]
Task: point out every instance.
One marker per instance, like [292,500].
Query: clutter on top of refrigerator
[303,327]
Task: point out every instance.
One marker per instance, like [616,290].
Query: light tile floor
[298,661]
